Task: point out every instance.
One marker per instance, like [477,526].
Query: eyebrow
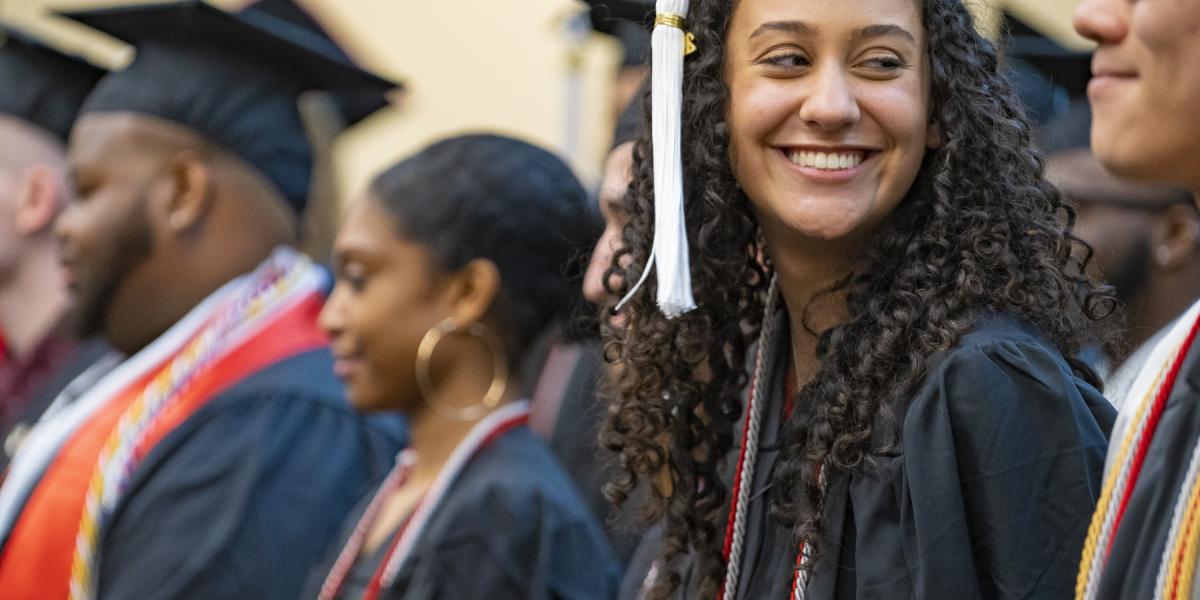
[796,27]
[868,32]
[883,30]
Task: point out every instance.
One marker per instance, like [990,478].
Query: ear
[472,290]
[39,199]
[192,191]
[1175,237]
[933,136]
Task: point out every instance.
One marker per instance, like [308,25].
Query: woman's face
[828,113]
[386,297]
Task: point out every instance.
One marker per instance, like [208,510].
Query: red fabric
[36,562]
[22,377]
[376,583]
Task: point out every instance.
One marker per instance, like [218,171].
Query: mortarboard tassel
[669,252]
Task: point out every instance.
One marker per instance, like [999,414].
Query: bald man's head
[24,146]
[33,190]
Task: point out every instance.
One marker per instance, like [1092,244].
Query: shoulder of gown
[1003,453]
[243,498]
[512,526]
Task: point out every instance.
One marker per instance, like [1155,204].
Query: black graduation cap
[232,77]
[1069,69]
[1070,130]
[353,105]
[41,85]
[1045,74]
[629,124]
[605,13]
[630,21]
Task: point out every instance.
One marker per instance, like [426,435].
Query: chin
[1125,160]
[360,401]
[1127,149]
[821,227]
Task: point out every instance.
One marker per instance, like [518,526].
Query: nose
[1102,21]
[333,318]
[593,280]
[831,103]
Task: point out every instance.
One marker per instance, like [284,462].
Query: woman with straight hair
[448,268]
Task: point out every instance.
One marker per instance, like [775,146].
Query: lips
[1108,73]
[344,365]
[1104,84]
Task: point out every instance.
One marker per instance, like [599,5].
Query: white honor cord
[499,419]
[749,457]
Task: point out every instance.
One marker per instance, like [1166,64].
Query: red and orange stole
[265,317]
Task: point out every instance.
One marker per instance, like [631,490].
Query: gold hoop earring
[495,391]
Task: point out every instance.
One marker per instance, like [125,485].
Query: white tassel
[670,247]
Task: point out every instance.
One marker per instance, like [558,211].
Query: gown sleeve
[242,501]
[1004,453]
[546,551]
[476,568]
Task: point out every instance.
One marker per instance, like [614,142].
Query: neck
[1165,297]
[434,437]
[32,301]
[132,327]
[805,276]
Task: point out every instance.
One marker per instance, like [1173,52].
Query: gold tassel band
[677,21]
[670,20]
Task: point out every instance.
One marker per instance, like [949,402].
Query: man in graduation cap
[1144,538]
[219,459]
[41,90]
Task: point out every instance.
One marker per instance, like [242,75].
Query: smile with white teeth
[827,161]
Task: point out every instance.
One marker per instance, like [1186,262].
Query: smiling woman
[862,200]
[448,268]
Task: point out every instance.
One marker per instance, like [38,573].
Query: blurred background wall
[530,68]
[503,65]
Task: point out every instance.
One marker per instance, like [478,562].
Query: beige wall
[469,65]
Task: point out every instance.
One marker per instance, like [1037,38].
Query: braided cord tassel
[744,482]
[1179,555]
[1099,531]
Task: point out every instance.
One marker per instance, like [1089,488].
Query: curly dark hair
[951,252]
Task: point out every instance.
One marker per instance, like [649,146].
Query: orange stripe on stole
[36,562]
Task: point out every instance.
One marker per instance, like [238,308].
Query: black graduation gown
[988,494]
[1136,557]
[244,498]
[575,441]
[511,526]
